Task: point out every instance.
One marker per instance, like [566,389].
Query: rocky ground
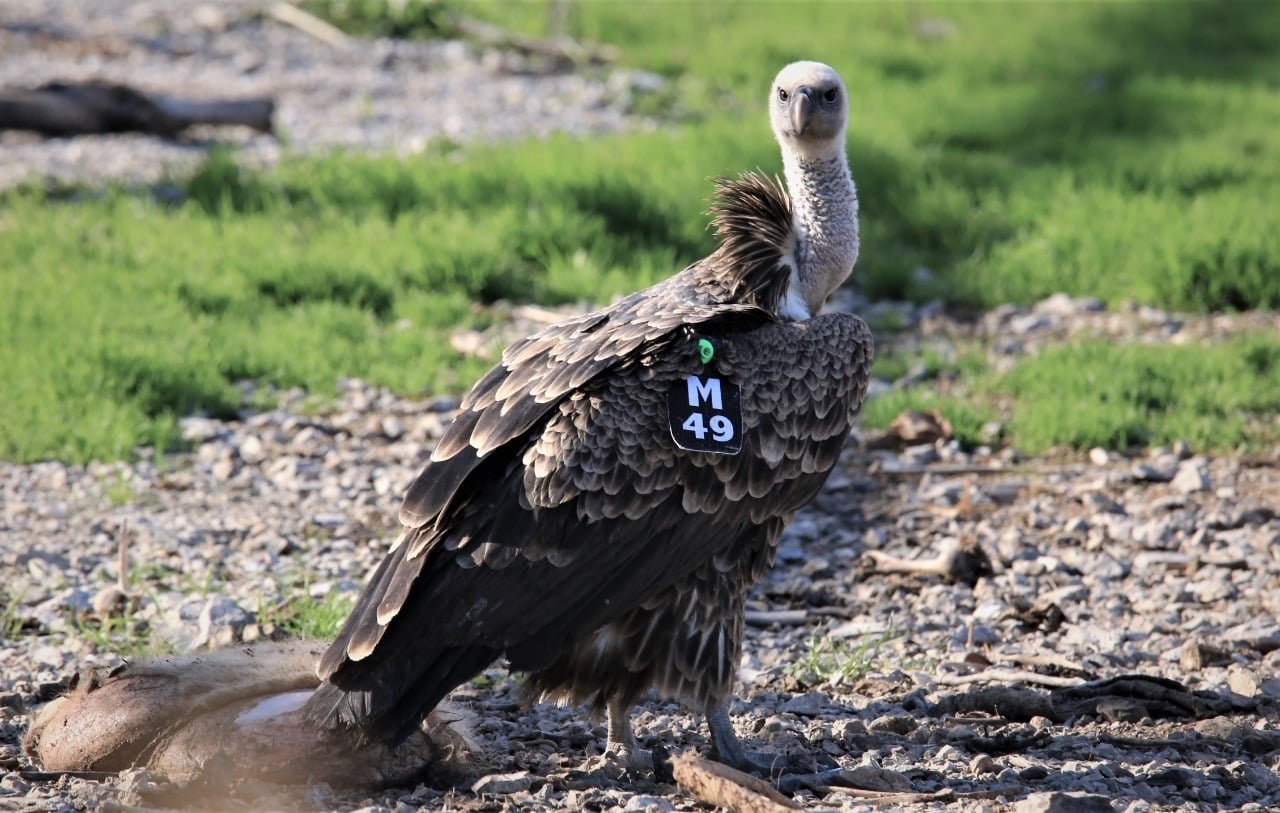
[384,95]
[1105,627]
[1040,574]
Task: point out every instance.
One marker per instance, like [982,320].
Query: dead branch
[559,49]
[726,787]
[785,618]
[83,108]
[1008,676]
[309,24]
[880,797]
[122,558]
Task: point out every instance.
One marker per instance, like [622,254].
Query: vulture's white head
[809,108]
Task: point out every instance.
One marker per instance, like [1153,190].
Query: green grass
[1120,396]
[828,658]
[1124,151]
[302,616]
[1221,397]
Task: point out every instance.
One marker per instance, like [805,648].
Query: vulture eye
[831,95]
[783,95]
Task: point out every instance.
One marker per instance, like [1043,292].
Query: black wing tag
[706,414]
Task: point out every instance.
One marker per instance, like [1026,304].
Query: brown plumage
[559,524]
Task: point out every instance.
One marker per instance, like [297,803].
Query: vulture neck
[825,206]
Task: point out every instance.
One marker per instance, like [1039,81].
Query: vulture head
[808,107]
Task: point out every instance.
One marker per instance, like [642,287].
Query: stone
[646,803]
[900,724]
[501,784]
[1031,323]
[983,765]
[1243,681]
[1151,473]
[1192,477]
[252,450]
[392,427]
[1059,802]
[220,622]
[110,602]
[808,705]
[872,777]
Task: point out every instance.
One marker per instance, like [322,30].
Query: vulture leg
[789,772]
[727,748]
[622,739]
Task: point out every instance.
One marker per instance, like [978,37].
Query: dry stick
[889,797]
[122,557]
[308,24]
[54,776]
[765,618]
[727,787]
[944,795]
[886,563]
[1008,676]
[560,48]
[1038,659]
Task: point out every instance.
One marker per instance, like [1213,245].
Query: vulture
[610,490]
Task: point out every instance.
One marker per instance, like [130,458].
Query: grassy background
[1124,151]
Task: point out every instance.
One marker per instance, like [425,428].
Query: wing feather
[558,500]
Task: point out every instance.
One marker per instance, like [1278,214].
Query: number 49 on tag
[706,414]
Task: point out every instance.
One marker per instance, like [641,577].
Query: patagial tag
[706,414]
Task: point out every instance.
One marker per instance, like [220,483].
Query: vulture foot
[622,750]
[789,771]
[635,761]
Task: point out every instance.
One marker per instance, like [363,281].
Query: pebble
[1058,802]
[1243,681]
[645,803]
[500,784]
[807,705]
[983,764]
[1148,473]
[220,622]
[1192,477]
[900,724]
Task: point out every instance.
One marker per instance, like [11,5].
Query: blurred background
[1071,237]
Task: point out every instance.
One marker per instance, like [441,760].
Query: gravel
[1164,564]
[382,95]
[1098,571]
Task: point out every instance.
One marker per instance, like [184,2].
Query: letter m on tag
[701,391]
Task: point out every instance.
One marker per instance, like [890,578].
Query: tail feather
[388,701]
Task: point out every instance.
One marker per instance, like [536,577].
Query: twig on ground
[1042,659]
[122,557]
[309,24]
[726,787]
[82,108]
[1009,676]
[561,49]
[784,618]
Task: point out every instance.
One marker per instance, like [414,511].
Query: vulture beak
[801,109]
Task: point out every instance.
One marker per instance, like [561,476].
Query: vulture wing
[560,501]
